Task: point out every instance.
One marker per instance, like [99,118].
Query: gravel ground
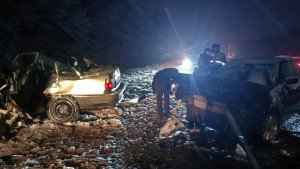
[127,137]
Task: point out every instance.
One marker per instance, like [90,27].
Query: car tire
[270,128]
[63,109]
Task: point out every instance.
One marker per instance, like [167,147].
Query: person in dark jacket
[161,86]
[204,64]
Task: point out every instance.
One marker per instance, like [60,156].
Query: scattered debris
[10,120]
[131,140]
[134,101]
[172,125]
[240,151]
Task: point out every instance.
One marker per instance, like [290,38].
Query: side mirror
[292,80]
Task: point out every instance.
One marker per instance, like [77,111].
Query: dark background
[130,33]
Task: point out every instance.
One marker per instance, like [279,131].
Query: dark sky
[232,21]
[122,31]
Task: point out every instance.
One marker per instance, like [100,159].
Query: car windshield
[255,73]
[23,61]
[296,68]
[66,71]
[289,69]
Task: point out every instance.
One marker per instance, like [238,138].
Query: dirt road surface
[130,139]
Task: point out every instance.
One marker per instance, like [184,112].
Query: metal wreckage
[22,84]
[27,88]
[245,99]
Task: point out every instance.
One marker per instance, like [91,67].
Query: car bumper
[102,101]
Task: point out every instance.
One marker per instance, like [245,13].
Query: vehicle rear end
[113,81]
[107,91]
[83,89]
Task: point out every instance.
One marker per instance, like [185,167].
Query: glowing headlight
[186,64]
[54,89]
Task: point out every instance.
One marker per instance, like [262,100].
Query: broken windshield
[66,71]
[23,61]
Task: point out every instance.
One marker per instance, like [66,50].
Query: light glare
[186,64]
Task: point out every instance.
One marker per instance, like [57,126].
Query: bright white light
[54,89]
[186,64]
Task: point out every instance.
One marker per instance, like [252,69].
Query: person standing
[161,86]
[219,58]
[204,64]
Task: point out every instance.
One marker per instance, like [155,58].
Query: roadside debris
[132,141]
[134,101]
[10,120]
[172,125]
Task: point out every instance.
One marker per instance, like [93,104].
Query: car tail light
[298,64]
[108,84]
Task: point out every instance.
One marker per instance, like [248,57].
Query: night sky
[130,33]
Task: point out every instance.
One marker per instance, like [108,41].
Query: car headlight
[54,89]
[186,64]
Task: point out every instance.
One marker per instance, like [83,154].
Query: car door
[288,78]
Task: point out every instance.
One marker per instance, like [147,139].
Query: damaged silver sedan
[82,88]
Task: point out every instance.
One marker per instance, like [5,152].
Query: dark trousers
[160,96]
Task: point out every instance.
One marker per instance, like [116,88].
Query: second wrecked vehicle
[248,97]
[23,82]
[82,88]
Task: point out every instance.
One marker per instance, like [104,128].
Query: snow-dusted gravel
[127,137]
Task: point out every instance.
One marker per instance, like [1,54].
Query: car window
[296,68]
[258,75]
[285,70]
[228,72]
[272,73]
[255,73]
[23,61]
[67,71]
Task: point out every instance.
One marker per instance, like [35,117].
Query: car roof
[234,63]
[277,59]
[288,57]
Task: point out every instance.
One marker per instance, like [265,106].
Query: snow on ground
[293,125]
[129,139]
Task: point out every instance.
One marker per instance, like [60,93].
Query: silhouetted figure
[161,86]
[219,58]
[204,64]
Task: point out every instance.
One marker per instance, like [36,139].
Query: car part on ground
[270,127]
[82,88]
[172,125]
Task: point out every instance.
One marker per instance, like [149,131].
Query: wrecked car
[248,97]
[23,83]
[82,88]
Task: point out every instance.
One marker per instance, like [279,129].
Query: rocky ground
[128,137]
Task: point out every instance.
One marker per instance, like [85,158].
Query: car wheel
[270,128]
[63,109]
